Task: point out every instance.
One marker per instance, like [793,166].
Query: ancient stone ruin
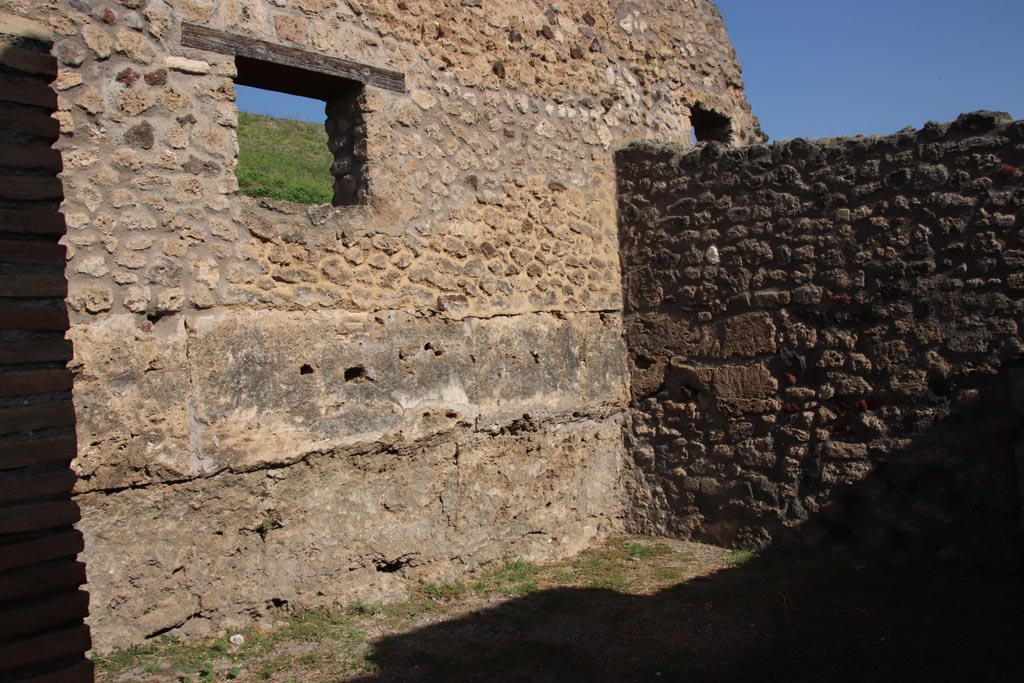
[534,314]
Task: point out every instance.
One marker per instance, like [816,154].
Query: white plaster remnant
[188,66]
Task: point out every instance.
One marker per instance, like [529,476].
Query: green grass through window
[283,159]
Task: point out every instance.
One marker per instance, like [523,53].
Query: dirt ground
[636,609]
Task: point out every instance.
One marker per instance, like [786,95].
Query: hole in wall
[643,363]
[306,369]
[709,125]
[391,566]
[355,374]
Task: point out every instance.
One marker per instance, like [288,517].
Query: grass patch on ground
[511,578]
[283,159]
[334,645]
[741,556]
[630,609]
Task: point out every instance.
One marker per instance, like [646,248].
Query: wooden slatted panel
[38,550]
[33,320]
[37,451]
[38,516]
[25,92]
[45,253]
[31,157]
[31,222]
[37,416]
[43,638]
[59,482]
[205,38]
[46,647]
[34,382]
[50,612]
[40,351]
[30,123]
[30,188]
[29,61]
[18,286]
[80,672]
[41,580]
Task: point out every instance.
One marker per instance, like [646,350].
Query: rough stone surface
[823,339]
[252,390]
[295,406]
[494,193]
[455,332]
[211,553]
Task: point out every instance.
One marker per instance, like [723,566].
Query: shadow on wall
[822,340]
[894,548]
[947,495]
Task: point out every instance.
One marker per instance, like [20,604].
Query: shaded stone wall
[829,332]
[282,405]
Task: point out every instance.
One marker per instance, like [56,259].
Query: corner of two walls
[824,341]
[280,405]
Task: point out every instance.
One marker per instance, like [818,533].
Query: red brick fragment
[158,77]
[1008,171]
[128,76]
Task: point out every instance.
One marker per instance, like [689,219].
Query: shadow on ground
[776,618]
[911,574]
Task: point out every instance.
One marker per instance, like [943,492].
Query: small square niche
[709,125]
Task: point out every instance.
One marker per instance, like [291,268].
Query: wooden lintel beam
[203,38]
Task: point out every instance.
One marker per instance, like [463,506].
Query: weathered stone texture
[240,391]
[496,183]
[201,555]
[370,437]
[234,355]
[825,332]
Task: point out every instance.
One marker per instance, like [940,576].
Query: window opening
[282,147]
[337,83]
[709,125]
[286,155]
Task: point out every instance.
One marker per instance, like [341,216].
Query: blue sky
[821,68]
[279,105]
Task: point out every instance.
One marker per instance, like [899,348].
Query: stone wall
[823,339]
[287,405]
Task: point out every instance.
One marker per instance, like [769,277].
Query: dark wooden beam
[204,38]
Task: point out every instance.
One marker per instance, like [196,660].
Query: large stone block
[272,388]
[539,365]
[191,557]
[131,396]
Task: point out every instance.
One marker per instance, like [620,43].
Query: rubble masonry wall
[824,340]
[287,405]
